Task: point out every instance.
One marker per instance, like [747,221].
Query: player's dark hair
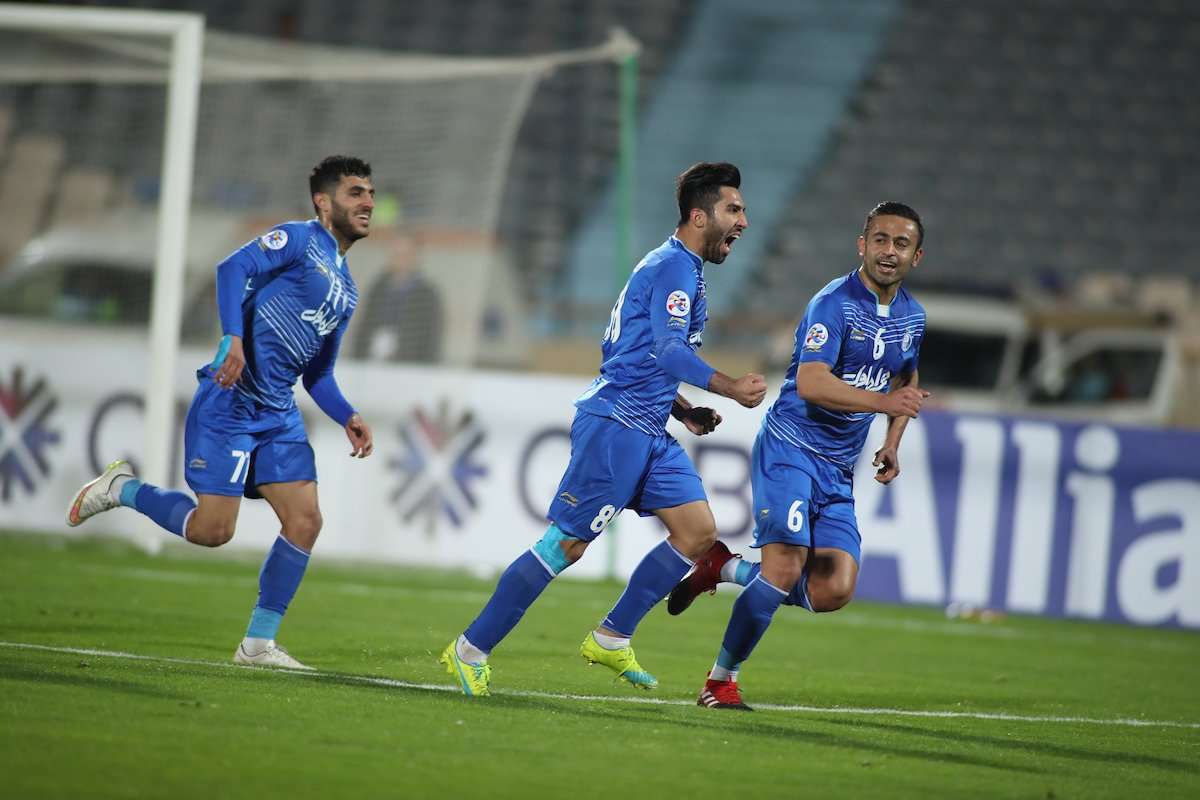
[326,175]
[700,186]
[891,208]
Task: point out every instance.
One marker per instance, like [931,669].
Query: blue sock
[282,571]
[515,592]
[798,596]
[745,572]
[752,613]
[168,507]
[652,580]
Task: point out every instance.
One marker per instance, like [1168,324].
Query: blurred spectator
[1093,381]
[401,319]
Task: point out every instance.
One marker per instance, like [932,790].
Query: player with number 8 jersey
[621,454]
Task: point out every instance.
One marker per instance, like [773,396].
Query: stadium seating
[1031,136]
[1034,137]
[566,147]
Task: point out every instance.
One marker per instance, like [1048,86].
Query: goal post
[170,144]
[185,34]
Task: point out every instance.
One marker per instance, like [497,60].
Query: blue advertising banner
[1036,516]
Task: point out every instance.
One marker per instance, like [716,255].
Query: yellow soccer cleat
[623,662]
[473,678]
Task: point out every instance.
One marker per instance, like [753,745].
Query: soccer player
[856,355]
[284,301]
[621,455]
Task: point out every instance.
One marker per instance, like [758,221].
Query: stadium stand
[1034,137]
[764,89]
[566,147]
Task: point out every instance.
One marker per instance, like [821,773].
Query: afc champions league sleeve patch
[816,337]
[275,240]
[678,303]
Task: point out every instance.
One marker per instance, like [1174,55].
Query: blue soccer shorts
[231,444]
[800,498]
[614,467]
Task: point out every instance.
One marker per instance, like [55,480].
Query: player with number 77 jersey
[621,454]
[284,299]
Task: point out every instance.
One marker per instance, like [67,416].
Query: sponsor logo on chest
[339,299]
[873,378]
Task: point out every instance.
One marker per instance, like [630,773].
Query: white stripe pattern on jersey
[895,331]
[783,430]
[300,338]
[637,416]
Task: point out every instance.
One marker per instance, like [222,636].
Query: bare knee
[830,594]
[209,532]
[302,528]
[695,542]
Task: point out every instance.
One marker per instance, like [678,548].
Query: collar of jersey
[880,309]
[338,258]
[674,240]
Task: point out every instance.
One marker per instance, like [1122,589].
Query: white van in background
[992,356]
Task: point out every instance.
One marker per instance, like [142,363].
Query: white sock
[118,482]
[719,673]
[610,642]
[253,645]
[469,652]
[729,570]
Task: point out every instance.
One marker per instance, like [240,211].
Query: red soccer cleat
[722,694]
[704,578]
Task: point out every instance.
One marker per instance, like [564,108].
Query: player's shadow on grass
[84,678]
[760,726]
[1041,748]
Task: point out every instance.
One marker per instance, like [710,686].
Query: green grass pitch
[116,681]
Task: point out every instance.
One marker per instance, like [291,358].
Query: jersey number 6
[795,520]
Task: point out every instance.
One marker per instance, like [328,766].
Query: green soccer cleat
[473,678]
[623,662]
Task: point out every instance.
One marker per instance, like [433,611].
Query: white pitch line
[795,709]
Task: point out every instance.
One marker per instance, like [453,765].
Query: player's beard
[340,220]
[713,239]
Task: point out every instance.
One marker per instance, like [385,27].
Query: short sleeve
[819,337]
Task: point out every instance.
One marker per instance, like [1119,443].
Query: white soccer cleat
[96,495]
[272,656]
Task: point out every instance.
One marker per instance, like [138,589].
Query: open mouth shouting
[726,245]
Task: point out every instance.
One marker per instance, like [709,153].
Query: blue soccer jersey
[662,304]
[865,344]
[294,300]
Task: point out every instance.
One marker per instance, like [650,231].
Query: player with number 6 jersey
[621,454]
[285,300]
[857,352]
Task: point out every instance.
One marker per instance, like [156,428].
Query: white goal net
[94,302]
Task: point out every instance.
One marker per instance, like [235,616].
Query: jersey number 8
[613,331]
[603,518]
